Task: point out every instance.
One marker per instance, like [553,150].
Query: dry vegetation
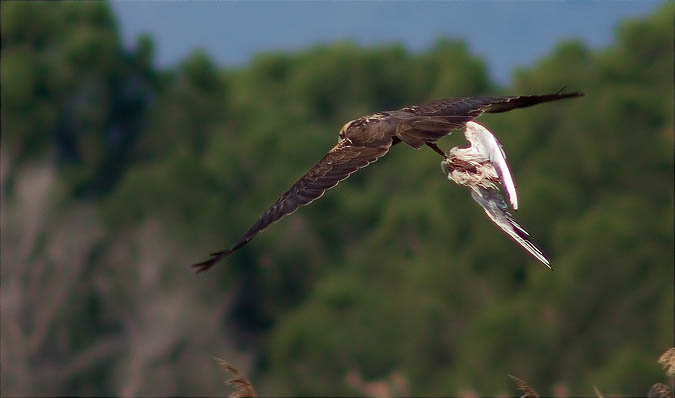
[241,384]
[667,360]
[526,389]
[397,385]
[657,390]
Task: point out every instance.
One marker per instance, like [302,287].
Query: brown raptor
[366,139]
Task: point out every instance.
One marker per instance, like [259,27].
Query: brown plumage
[364,140]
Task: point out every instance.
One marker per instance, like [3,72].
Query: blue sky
[506,34]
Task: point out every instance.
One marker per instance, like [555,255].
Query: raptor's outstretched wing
[495,207]
[432,120]
[343,160]
[474,106]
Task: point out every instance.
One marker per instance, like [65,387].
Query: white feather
[494,206]
[487,156]
[486,144]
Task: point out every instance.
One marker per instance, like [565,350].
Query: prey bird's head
[448,162]
[451,154]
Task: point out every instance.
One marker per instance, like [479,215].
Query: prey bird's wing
[496,208]
[343,160]
[488,145]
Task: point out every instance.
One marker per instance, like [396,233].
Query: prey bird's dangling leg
[436,149]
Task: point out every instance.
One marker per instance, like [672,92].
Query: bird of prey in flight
[480,166]
[366,139]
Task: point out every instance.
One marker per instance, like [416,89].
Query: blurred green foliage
[395,271]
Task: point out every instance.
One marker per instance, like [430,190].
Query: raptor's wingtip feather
[572,94]
[205,265]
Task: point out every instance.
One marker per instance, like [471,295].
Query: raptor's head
[368,122]
[343,130]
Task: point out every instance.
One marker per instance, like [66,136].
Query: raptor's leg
[436,149]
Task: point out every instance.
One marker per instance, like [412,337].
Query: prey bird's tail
[509,103]
[492,201]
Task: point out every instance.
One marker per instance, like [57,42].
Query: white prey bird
[480,167]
